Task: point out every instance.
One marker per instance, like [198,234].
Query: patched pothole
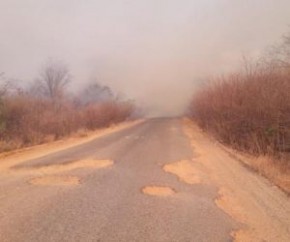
[162,191]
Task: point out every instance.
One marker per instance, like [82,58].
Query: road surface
[142,183]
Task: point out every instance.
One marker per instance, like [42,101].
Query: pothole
[162,191]
[55,181]
[230,205]
[227,202]
[184,170]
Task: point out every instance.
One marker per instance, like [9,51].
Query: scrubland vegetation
[250,110]
[45,111]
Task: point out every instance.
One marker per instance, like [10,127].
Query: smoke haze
[153,51]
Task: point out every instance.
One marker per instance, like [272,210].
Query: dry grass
[251,113]
[27,120]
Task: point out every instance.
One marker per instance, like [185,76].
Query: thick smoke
[156,52]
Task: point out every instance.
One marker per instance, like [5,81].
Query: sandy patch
[55,181]
[158,191]
[55,168]
[245,236]
[185,171]
[227,202]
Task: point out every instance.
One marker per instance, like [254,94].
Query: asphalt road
[108,204]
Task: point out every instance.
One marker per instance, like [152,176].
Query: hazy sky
[154,51]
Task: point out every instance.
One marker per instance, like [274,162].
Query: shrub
[249,111]
[27,120]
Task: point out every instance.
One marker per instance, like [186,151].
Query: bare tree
[3,85]
[54,77]
[283,51]
[3,88]
[279,55]
[96,93]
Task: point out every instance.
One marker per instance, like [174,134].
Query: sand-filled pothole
[230,205]
[184,170]
[55,181]
[162,191]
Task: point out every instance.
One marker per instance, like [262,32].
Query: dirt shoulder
[262,209]
[276,171]
[12,158]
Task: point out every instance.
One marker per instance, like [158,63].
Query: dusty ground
[277,171]
[262,208]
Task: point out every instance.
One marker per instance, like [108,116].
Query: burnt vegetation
[46,111]
[250,110]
